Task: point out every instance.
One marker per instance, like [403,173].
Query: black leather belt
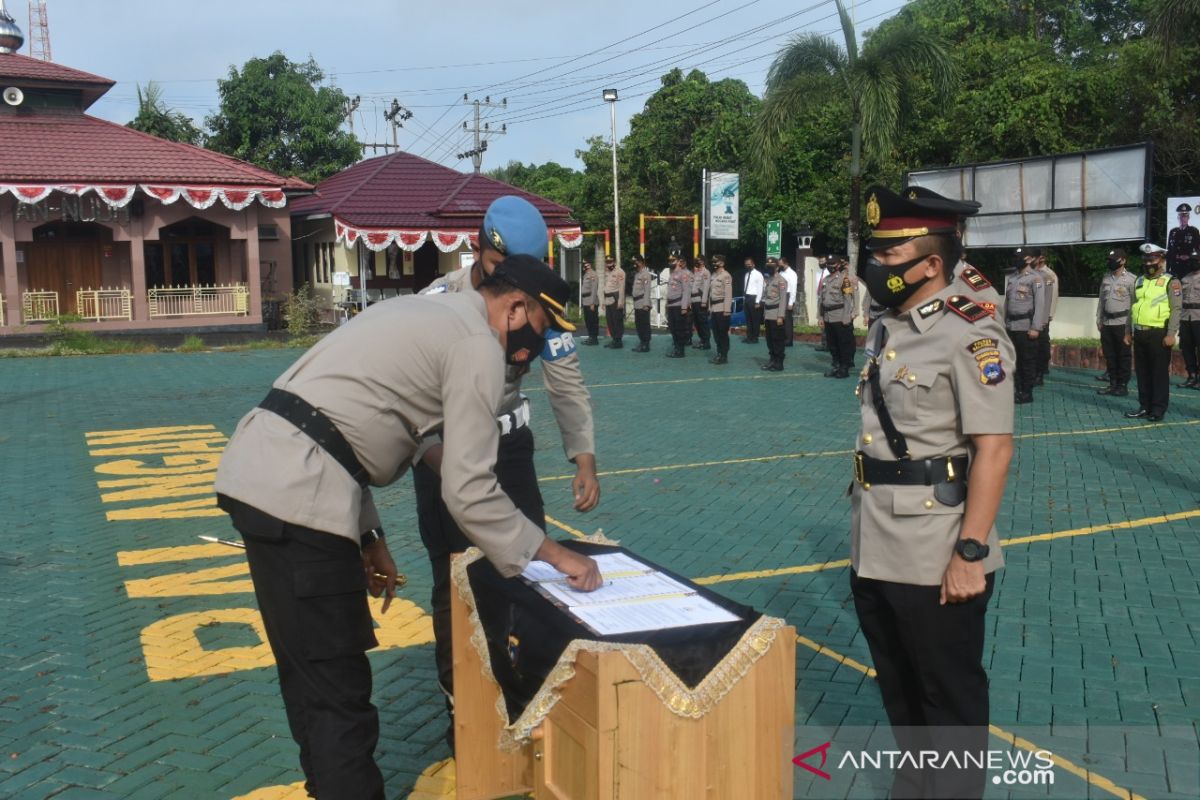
[1123,314]
[318,427]
[1191,305]
[927,472]
[772,308]
[1012,317]
[611,295]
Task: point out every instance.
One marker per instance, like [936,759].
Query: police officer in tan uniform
[775,299]
[614,303]
[720,305]
[1026,310]
[679,304]
[932,460]
[1050,280]
[643,284]
[1112,317]
[350,414]
[1189,326]
[700,278]
[837,310]
[589,298]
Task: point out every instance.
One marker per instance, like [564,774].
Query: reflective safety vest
[1152,307]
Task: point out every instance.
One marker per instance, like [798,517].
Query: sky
[551,60]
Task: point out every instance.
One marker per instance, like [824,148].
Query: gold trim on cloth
[900,232]
[674,694]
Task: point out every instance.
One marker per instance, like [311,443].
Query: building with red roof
[401,220]
[123,229]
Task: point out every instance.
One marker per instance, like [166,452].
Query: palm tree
[1173,22]
[877,82]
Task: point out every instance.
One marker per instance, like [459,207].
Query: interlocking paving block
[1091,630]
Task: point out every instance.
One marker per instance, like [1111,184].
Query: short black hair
[948,247]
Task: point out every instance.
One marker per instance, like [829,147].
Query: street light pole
[610,96]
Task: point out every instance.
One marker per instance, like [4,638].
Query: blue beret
[514,227]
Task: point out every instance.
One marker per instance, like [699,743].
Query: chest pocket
[910,392]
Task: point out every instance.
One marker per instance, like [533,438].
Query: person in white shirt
[793,283]
[752,292]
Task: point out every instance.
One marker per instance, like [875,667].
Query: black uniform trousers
[775,335]
[1189,341]
[441,536]
[753,316]
[311,592]
[614,318]
[720,332]
[1026,372]
[1118,356]
[1043,352]
[929,664]
[641,321]
[789,324]
[591,321]
[680,327]
[841,344]
[700,322]
[1153,364]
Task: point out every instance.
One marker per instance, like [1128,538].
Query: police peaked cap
[898,218]
[538,281]
[1184,208]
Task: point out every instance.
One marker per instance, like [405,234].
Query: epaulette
[966,308]
[974,278]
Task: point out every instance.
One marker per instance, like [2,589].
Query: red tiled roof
[19,70]
[401,190]
[71,148]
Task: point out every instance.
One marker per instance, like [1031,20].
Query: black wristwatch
[971,549]
[371,537]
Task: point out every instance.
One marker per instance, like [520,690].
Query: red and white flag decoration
[118,196]
[569,238]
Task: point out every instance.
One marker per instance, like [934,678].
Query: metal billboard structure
[1070,198]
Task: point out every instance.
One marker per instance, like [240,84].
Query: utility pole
[481,133]
[397,115]
[348,109]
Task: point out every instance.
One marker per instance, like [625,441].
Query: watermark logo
[1007,767]
[801,760]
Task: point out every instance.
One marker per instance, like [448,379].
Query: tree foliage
[156,118]
[275,114]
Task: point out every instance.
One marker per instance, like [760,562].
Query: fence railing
[39,306]
[191,301]
[101,304]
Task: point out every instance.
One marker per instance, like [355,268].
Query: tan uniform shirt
[679,288]
[972,282]
[569,397]
[589,287]
[943,379]
[614,288]
[1050,278]
[720,292]
[1191,296]
[700,281]
[1025,302]
[643,282]
[775,299]
[1116,298]
[837,297]
[447,376]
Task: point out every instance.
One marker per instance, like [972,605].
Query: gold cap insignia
[912,195]
[873,211]
[497,241]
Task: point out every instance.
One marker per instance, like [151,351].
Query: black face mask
[1114,264]
[886,282]
[526,339]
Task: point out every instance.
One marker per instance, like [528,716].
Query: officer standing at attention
[1026,310]
[1050,280]
[793,282]
[1189,326]
[700,278]
[932,459]
[614,303]
[511,226]
[1112,318]
[350,414]
[837,309]
[1183,244]
[643,284]
[679,296]
[752,292]
[1154,324]
[774,315]
[720,305]
[589,299]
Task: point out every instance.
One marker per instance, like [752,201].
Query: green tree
[156,118]
[878,85]
[550,180]
[275,114]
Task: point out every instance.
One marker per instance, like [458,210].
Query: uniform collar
[924,316]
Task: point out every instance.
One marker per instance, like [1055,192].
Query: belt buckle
[860,474]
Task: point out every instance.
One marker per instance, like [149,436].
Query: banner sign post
[723,205]
[775,238]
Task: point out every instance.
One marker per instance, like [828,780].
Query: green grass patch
[192,344]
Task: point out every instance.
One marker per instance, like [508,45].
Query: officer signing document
[352,413]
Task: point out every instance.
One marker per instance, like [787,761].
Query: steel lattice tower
[39,31]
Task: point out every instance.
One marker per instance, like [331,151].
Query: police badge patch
[987,357]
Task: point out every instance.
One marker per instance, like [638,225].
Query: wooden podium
[611,738]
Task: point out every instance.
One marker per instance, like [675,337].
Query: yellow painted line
[1117,429]
[564,526]
[691,380]
[697,464]
[1095,779]
[772,573]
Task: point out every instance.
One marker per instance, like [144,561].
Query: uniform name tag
[559,344]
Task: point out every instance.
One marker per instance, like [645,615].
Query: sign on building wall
[723,205]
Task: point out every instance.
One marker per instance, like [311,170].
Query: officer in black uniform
[1183,244]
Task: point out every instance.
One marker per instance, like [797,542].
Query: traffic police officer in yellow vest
[1153,326]
[932,459]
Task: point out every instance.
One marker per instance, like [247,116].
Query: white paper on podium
[633,597]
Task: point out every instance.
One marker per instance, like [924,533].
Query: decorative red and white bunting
[118,196]
[447,241]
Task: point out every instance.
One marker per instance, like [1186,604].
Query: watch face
[969,550]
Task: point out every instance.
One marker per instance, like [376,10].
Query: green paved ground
[1095,634]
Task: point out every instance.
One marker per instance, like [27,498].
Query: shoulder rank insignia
[929,309]
[974,278]
[966,308]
